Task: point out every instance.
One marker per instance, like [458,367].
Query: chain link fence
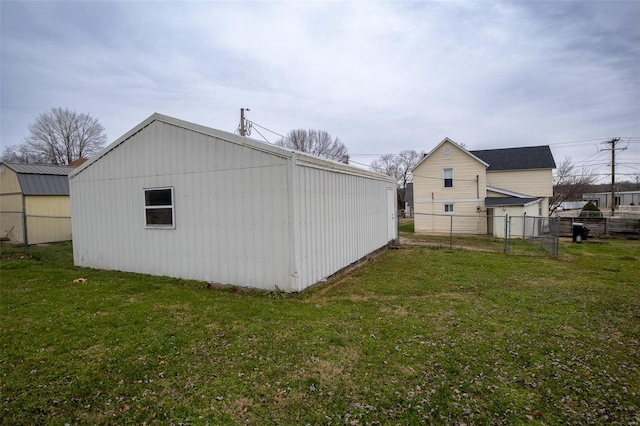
[17,227]
[11,227]
[517,235]
[537,232]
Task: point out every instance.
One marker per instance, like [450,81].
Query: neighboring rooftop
[572,205]
[508,201]
[40,169]
[523,158]
[42,179]
[78,162]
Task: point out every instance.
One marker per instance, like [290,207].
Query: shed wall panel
[11,202]
[11,224]
[9,183]
[48,216]
[224,194]
[342,218]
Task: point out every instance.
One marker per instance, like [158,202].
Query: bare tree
[316,142]
[399,167]
[387,164]
[19,154]
[60,136]
[569,183]
[407,161]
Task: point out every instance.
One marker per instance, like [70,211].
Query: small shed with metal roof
[35,195]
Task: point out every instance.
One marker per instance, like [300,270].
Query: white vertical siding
[342,218]
[230,209]
[245,214]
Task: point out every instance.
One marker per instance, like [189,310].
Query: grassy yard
[418,335]
[541,247]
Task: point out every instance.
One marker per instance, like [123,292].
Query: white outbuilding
[179,199]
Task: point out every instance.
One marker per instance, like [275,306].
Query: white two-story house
[470,192]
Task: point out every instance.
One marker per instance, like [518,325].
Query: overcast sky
[381,76]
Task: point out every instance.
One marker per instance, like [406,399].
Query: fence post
[556,237]
[451,234]
[24,228]
[506,235]
[524,226]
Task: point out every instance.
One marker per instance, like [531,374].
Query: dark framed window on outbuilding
[158,208]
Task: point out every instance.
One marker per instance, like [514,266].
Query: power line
[594,140]
[262,135]
[598,164]
[439,178]
[361,164]
[590,141]
[268,130]
[598,152]
[603,174]
[252,124]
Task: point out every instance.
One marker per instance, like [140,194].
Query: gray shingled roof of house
[42,179]
[524,158]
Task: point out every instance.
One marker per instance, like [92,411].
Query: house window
[448,208]
[158,208]
[448,178]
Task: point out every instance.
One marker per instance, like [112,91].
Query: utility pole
[243,129]
[613,143]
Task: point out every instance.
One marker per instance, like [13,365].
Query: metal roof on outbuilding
[508,201]
[523,158]
[42,179]
[40,169]
[236,139]
[44,184]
